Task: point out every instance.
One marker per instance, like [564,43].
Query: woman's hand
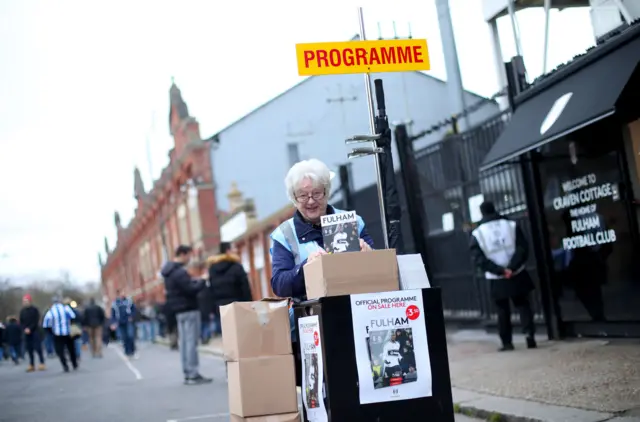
[364,246]
[315,255]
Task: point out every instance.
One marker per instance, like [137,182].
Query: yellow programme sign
[336,58]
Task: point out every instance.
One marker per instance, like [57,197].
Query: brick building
[180,208]
[253,246]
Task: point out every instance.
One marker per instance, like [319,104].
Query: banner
[312,368]
[372,56]
[392,352]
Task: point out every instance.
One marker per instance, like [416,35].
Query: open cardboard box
[253,329]
[352,273]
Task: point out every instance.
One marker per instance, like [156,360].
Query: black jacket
[30,318]
[181,290]
[94,316]
[502,288]
[13,334]
[229,281]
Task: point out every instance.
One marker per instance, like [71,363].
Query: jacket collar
[304,227]
[491,217]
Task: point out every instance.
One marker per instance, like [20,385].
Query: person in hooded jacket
[123,313]
[229,281]
[182,300]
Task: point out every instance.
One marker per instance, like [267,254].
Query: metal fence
[450,188]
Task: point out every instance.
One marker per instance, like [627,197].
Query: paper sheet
[412,272]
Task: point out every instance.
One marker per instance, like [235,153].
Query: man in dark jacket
[500,249]
[229,281]
[182,300]
[94,318]
[30,322]
[123,313]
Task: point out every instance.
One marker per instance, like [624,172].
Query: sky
[84,96]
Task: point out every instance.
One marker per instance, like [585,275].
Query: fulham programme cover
[392,350]
[340,232]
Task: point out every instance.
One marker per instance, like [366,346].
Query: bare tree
[41,291]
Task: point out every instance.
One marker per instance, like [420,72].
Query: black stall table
[379,357]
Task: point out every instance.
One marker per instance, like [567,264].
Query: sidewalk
[574,380]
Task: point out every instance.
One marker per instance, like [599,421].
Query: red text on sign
[412,312]
[363,56]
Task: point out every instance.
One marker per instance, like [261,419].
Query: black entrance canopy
[576,100]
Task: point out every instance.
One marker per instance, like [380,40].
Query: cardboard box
[352,273]
[289,417]
[253,329]
[262,386]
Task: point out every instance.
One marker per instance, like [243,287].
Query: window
[245,259]
[194,214]
[586,204]
[294,153]
[258,255]
[264,287]
[182,224]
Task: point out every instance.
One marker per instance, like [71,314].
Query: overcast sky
[84,84]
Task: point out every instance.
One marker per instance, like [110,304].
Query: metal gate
[449,177]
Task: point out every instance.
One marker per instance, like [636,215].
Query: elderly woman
[299,239]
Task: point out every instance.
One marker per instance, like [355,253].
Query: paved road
[112,389]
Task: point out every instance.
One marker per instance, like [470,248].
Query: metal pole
[514,26]
[372,127]
[628,18]
[547,10]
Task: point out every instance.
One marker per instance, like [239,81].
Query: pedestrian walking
[500,249]
[123,314]
[182,300]
[57,321]
[2,331]
[147,323]
[13,338]
[161,319]
[76,327]
[94,319]
[48,344]
[30,323]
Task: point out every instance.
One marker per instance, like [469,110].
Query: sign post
[363,56]
[372,128]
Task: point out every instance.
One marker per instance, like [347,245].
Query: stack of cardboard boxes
[260,364]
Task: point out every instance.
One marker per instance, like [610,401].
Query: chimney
[236,200]
[250,210]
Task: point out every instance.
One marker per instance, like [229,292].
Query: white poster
[312,368]
[474,207]
[392,352]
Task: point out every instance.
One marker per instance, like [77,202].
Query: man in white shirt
[391,356]
[500,250]
[57,320]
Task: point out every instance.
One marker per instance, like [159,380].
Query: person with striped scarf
[57,321]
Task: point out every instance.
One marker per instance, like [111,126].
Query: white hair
[312,169]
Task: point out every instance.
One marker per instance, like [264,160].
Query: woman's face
[311,200]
